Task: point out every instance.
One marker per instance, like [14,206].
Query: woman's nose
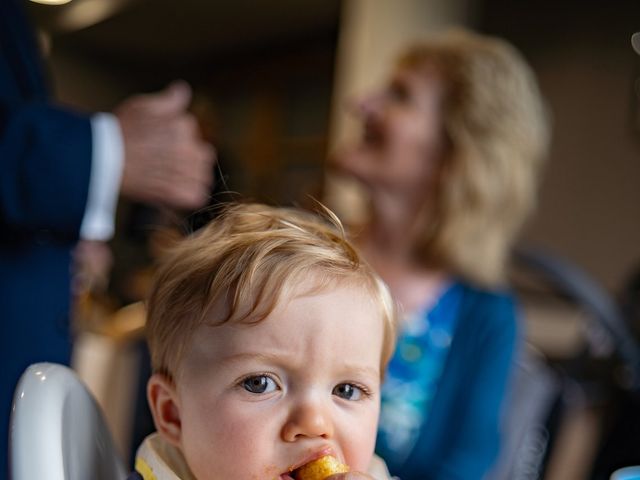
[365,105]
[311,418]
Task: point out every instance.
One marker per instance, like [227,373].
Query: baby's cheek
[270,471]
[241,453]
[358,451]
[364,442]
[204,452]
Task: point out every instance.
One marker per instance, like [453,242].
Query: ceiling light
[51,2]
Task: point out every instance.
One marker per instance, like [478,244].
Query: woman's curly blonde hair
[497,131]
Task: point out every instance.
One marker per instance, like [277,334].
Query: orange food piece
[321,468]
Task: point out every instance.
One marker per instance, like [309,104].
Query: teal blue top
[441,402]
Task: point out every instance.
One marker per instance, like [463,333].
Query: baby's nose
[310,418]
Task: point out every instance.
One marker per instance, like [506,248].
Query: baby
[269,337]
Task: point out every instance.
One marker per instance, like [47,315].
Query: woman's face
[402,140]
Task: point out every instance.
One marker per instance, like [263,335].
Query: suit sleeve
[45,164]
[477,441]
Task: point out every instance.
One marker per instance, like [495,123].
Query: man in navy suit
[60,175]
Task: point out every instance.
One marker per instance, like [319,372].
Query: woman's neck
[393,227]
[388,243]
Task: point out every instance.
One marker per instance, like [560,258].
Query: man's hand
[166,161]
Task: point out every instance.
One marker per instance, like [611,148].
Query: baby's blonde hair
[497,129]
[240,265]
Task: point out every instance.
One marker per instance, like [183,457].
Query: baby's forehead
[296,304]
[253,303]
[221,324]
[332,327]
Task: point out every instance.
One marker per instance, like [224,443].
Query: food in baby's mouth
[320,469]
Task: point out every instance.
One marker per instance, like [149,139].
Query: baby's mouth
[316,469]
[292,472]
[292,475]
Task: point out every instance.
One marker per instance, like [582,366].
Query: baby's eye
[348,391]
[259,384]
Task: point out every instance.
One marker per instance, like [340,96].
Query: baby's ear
[163,402]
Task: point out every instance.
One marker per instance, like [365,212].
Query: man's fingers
[192,177]
[166,160]
[187,195]
[171,101]
[186,126]
[195,159]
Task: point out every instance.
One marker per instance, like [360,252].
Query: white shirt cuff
[107,163]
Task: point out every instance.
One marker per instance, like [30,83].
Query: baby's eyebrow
[352,369]
[259,356]
[346,369]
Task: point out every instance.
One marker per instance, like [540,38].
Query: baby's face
[256,401]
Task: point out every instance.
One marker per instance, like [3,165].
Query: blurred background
[271,80]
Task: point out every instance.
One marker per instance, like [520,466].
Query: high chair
[57,430]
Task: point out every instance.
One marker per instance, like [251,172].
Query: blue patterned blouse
[413,375]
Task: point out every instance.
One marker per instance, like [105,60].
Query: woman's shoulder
[502,295]
[497,307]
[488,323]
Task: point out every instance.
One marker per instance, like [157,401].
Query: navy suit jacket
[45,162]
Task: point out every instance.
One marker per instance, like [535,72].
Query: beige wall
[590,199]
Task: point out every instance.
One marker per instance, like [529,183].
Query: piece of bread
[321,468]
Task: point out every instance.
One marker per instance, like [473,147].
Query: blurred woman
[450,155]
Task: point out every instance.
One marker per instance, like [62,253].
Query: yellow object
[321,468]
[144,469]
